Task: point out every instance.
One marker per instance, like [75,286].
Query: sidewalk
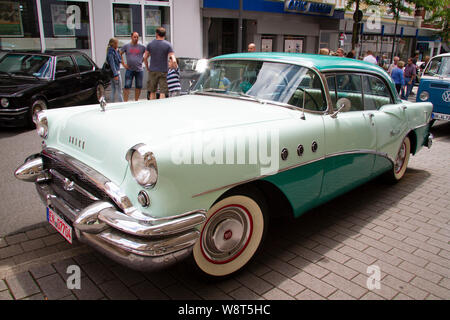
[404,230]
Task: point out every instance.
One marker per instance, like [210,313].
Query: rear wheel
[401,161]
[232,234]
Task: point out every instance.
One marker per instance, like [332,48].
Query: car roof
[442,55]
[321,62]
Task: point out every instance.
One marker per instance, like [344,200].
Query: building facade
[87,25]
[205,28]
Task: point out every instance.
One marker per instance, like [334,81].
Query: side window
[83,63]
[376,94]
[349,86]
[310,93]
[64,66]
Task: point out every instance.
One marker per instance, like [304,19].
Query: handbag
[106,69]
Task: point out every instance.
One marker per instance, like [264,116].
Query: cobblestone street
[402,229]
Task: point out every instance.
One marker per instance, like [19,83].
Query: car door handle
[404,107]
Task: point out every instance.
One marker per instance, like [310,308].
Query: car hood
[12,86]
[101,139]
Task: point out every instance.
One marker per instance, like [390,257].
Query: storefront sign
[309,7]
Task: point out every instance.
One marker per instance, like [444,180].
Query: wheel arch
[278,203]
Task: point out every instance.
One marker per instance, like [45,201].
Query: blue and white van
[435,86]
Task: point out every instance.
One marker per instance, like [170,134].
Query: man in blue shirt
[159,49]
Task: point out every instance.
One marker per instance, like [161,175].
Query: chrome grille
[78,191]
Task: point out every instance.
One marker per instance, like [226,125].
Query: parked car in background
[435,86]
[150,183]
[31,81]
[190,70]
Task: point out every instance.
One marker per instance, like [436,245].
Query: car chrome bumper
[135,240]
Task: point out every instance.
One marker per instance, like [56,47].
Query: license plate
[60,225]
[440,116]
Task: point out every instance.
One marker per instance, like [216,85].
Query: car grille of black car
[76,199]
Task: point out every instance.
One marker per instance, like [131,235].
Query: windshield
[439,66]
[278,82]
[26,65]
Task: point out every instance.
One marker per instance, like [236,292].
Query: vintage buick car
[32,81]
[435,87]
[149,183]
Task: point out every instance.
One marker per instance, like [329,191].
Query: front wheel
[232,234]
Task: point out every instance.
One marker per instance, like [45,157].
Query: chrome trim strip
[361,151]
[13,112]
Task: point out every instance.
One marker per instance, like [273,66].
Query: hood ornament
[102,101]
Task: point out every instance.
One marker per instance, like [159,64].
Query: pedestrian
[159,50]
[410,75]
[134,53]
[399,80]
[350,55]
[324,51]
[173,79]
[251,47]
[393,65]
[370,58]
[340,52]
[114,59]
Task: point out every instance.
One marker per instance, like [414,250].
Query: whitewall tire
[231,235]
[401,160]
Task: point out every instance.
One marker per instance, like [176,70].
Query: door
[350,137]
[88,77]
[64,90]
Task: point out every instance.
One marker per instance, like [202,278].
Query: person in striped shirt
[173,79]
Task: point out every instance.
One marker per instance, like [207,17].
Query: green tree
[440,15]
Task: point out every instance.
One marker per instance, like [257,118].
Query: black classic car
[31,81]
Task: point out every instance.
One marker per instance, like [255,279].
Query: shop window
[19,27]
[66,25]
[127,19]
[156,16]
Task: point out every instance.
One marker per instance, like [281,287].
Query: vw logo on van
[446,96]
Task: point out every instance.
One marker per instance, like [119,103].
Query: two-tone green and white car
[149,183]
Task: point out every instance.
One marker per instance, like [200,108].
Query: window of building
[19,27]
[156,16]
[66,25]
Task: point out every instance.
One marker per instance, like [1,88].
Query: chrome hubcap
[226,234]
[400,158]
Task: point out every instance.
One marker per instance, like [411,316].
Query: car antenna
[303,107]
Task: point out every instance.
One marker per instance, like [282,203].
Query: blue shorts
[129,75]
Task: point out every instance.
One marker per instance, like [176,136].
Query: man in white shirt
[370,58]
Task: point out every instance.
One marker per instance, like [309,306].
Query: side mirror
[343,105]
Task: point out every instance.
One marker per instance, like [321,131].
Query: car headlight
[41,124]
[4,102]
[143,165]
[424,95]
